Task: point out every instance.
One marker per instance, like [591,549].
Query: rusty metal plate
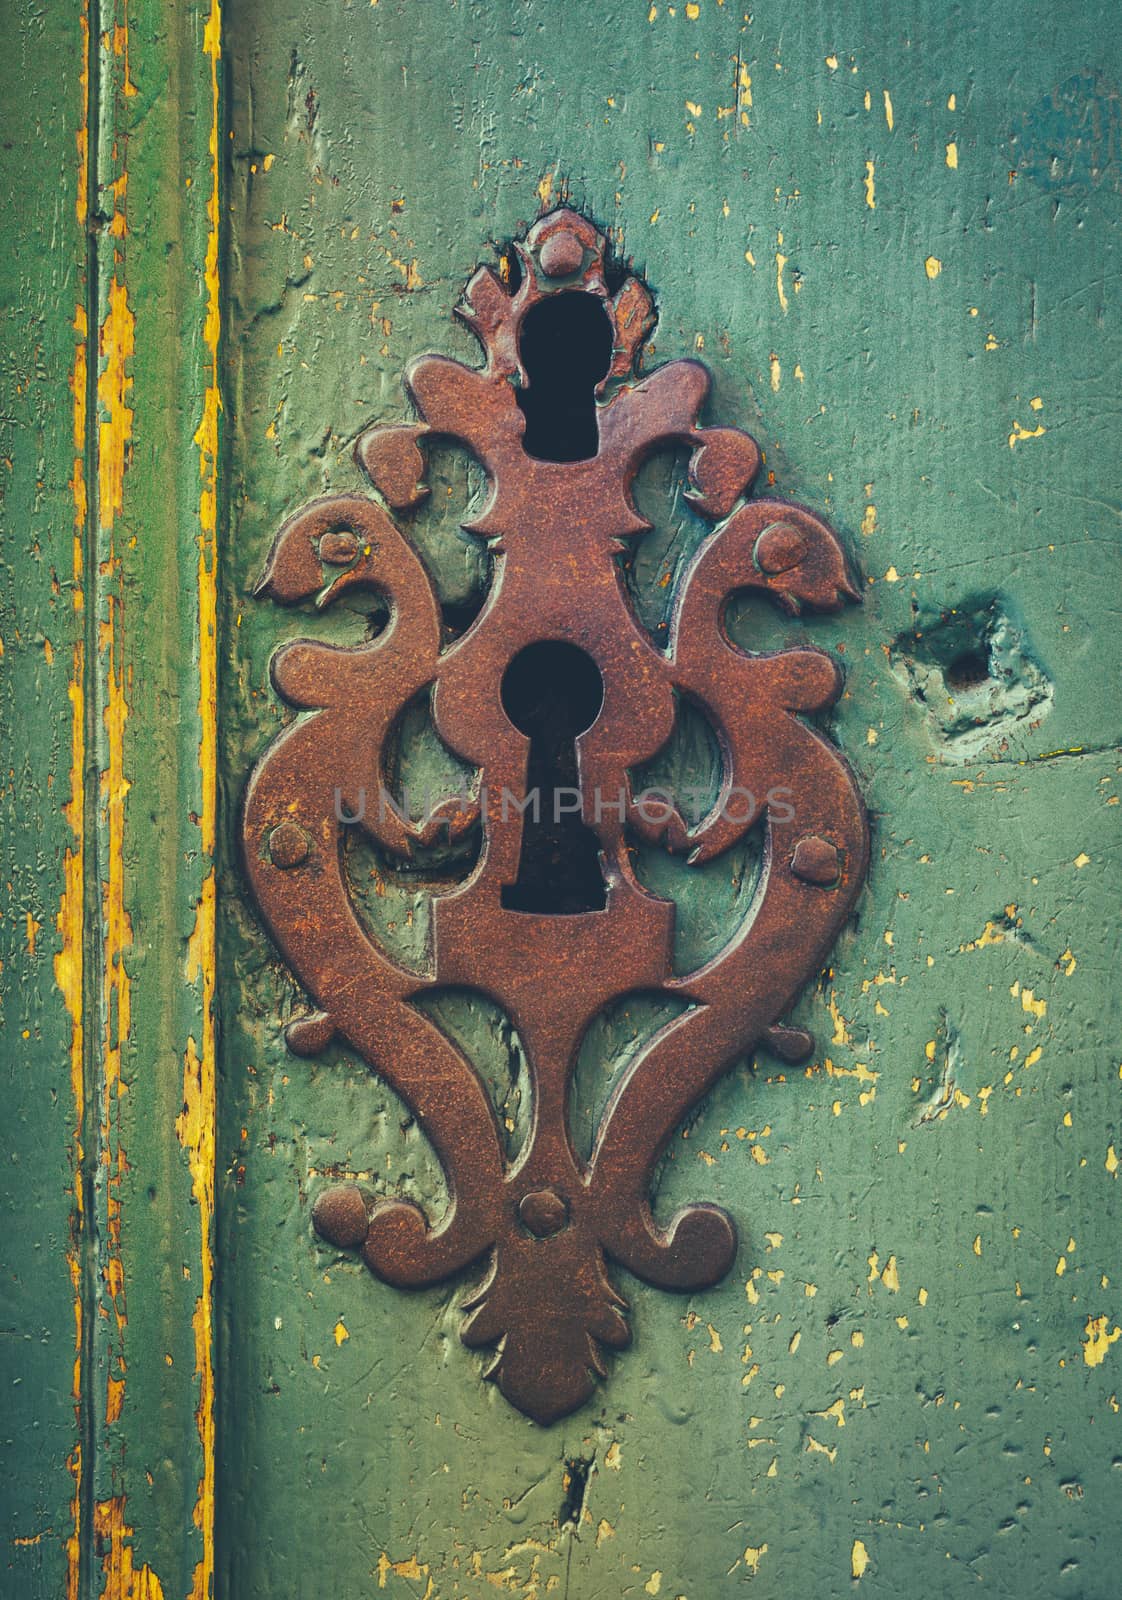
[552,922]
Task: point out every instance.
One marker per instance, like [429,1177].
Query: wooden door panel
[891,243]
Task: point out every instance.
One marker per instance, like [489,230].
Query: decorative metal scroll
[542,1227]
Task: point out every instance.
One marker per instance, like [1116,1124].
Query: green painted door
[892,236]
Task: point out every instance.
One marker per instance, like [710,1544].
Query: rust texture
[544,1226]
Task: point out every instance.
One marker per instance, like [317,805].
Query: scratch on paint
[743,93]
[780,263]
[195,1126]
[841,1028]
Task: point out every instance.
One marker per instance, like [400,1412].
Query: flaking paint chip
[1098,1340]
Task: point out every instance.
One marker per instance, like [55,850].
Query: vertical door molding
[111,724]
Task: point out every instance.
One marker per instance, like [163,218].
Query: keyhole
[566,348]
[552,691]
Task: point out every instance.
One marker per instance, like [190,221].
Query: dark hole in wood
[576,1474]
[968,669]
[566,349]
[552,691]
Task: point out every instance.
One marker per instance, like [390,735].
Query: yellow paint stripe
[113,386]
[196,1124]
[116,347]
[70,922]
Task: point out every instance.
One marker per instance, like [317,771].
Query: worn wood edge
[197,1125]
[41,638]
[101,895]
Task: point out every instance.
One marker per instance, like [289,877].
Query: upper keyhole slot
[552,691]
[566,349]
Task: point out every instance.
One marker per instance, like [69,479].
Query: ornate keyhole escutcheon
[554,691]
